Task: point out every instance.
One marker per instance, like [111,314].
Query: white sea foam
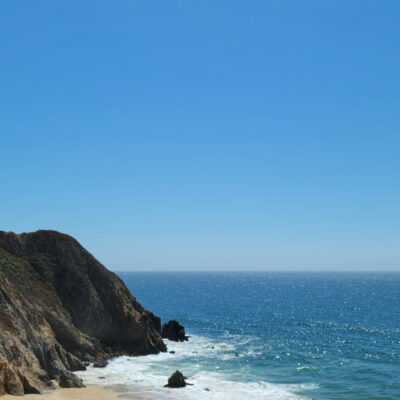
[146,376]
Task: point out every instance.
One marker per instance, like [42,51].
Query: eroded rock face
[60,308]
[173,331]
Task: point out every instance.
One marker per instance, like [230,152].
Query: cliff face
[60,307]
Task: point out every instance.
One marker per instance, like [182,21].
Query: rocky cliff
[59,307]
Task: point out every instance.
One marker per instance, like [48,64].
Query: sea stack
[176,380]
[59,309]
[174,331]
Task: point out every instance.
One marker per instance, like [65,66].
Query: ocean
[267,336]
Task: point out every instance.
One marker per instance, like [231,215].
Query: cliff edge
[59,307]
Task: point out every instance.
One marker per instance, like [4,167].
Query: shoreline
[90,392]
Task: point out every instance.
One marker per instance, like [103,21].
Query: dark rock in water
[172,352]
[173,331]
[70,380]
[176,380]
[100,364]
[60,308]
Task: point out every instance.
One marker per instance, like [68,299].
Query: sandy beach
[88,393]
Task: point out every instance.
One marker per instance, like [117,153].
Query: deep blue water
[323,336]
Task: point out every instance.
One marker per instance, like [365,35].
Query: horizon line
[259,271]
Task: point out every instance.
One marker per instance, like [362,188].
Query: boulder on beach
[176,380]
[100,364]
[174,331]
[70,380]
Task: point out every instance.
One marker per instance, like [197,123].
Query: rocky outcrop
[60,308]
[100,364]
[69,380]
[173,331]
[176,380]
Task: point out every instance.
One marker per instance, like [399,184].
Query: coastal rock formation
[173,331]
[60,308]
[100,364]
[70,380]
[176,380]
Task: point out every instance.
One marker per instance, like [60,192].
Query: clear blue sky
[205,134]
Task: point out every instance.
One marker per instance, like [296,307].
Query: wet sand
[88,393]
